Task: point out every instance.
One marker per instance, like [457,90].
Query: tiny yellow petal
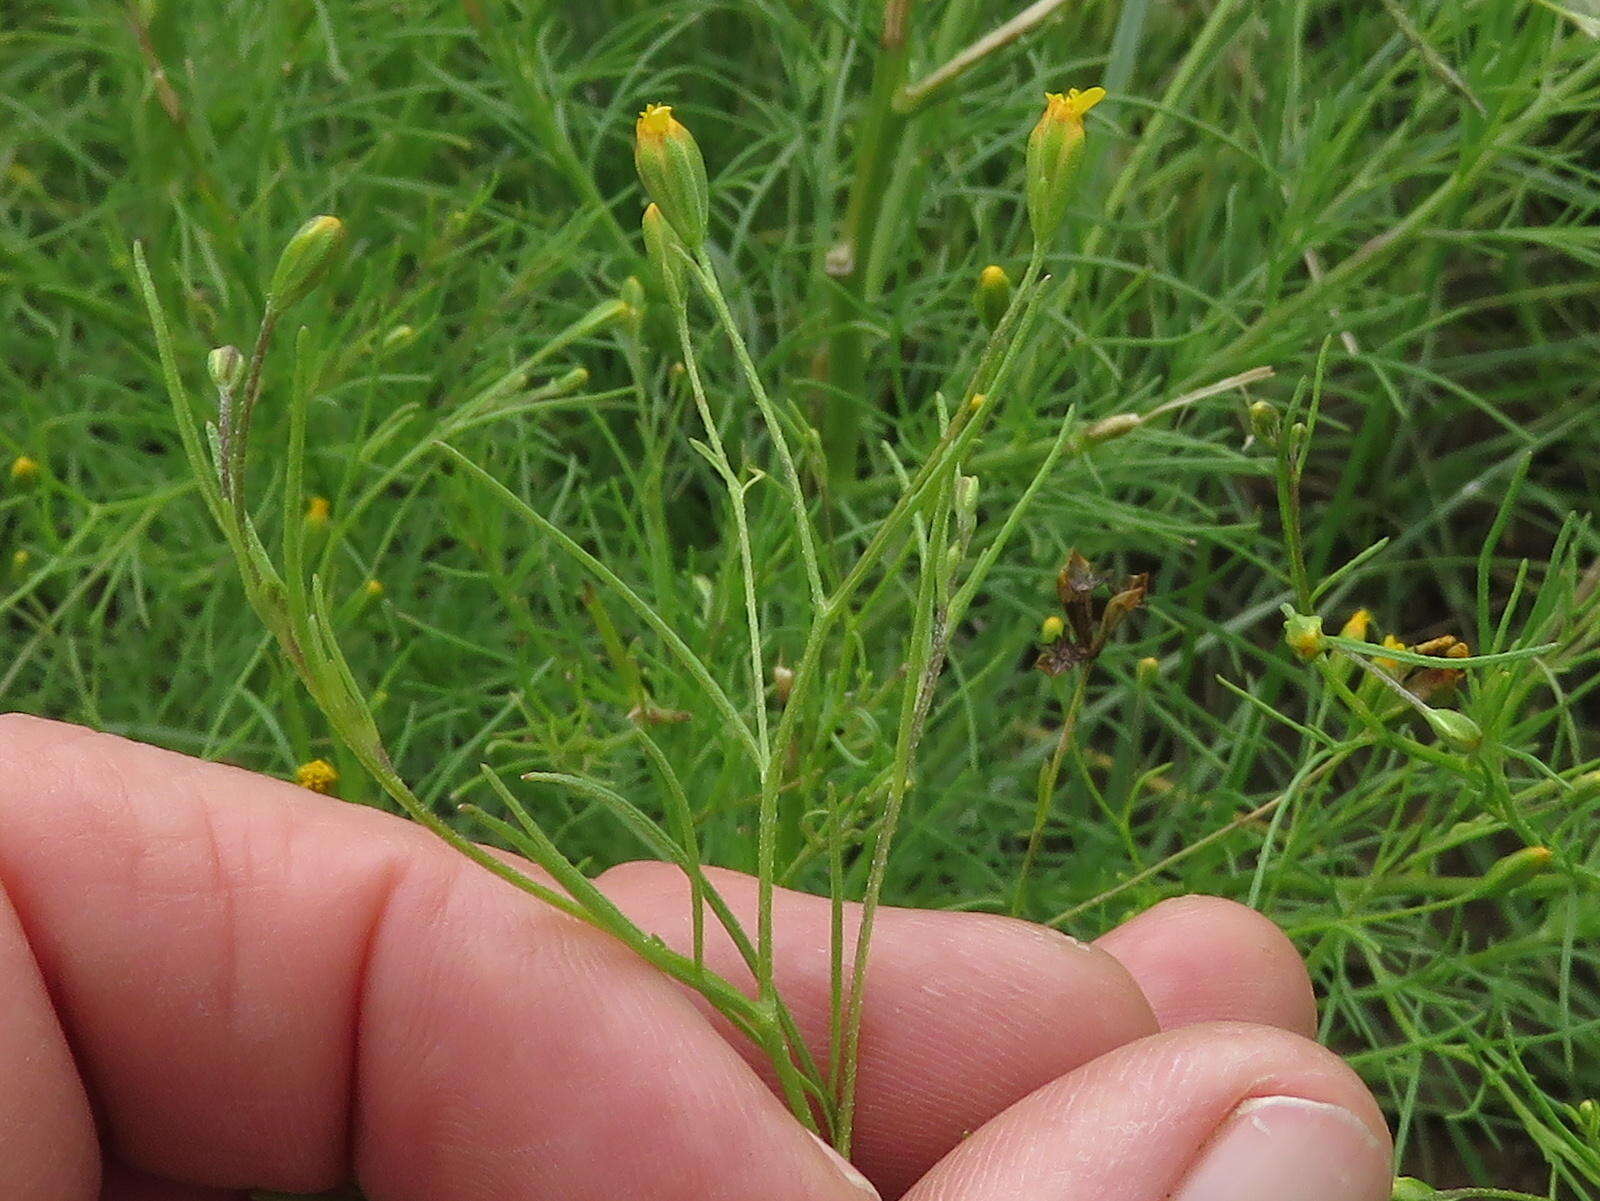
[656,120]
[1358,625]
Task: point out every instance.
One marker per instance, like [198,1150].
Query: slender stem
[1048,776]
[707,277]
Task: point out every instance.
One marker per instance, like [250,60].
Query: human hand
[214,978]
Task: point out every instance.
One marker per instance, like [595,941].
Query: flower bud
[993,295]
[1304,635]
[319,776]
[225,365]
[663,247]
[966,505]
[1454,727]
[672,171]
[1148,671]
[1055,155]
[1265,422]
[20,560]
[782,682]
[1513,870]
[1050,630]
[306,260]
[24,472]
[317,511]
[632,294]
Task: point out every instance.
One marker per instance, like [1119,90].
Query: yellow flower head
[673,172]
[373,588]
[319,776]
[1358,625]
[317,510]
[656,121]
[24,470]
[1055,155]
[1072,105]
[1051,629]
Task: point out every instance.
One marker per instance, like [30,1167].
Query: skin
[211,981]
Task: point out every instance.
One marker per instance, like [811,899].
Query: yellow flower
[673,172]
[1051,629]
[24,471]
[1055,154]
[1357,626]
[319,776]
[373,588]
[1390,665]
[317,510]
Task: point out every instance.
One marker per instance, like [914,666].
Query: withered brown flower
[1086,631]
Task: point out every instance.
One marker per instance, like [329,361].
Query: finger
[124,1184]
[48,1148]
[242,966]
[1223,1112]
[1204,959]
[963,1015]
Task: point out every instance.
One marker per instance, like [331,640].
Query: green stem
[1048,776]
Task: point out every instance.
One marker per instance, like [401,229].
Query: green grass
[1393,206]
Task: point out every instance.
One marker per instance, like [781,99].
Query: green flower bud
[1148,671]
[993,295]
[226,367]
[632,294]
[664,249]
[1051,629]
[1514,870]
[24,472]
[673,173]
[1304,635]
[966,505]
[1454,727]
[1055,154]
[306,260]
[1264,421]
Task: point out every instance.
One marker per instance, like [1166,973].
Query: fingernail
[1289,1149]
[848,1170]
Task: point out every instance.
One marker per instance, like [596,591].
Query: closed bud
[663,245]
[1055,155]
[672,171]
[20,560]
[966,505]
[1265,422]
[306,260]
[782,682]
[319,776]
[225,365]
[1513,870]
[1454,727]
[993,295]
[632,294]
[1148,671]
[1051,628]
[317,511]
[24,472]
[1304,635]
